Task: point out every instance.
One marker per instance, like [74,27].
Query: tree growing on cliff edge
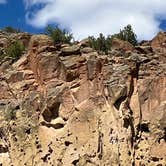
[59,36]
[103,44]
[99,44]
[127,34]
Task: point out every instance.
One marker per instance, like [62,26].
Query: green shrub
[127,34]
[10,29]
[59,36]
[103,44]
[99,44]
[15,50]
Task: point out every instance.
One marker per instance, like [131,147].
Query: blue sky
[13,14]
[86,17]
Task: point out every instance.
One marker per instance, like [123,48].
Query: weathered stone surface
[87,50]
[121,45]
[75,49]
[83,108]
[144,49]
[159,42]
[3,41]
[84,43]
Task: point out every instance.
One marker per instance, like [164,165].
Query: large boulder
[158,43]
[38,41]
[118,44]
[70,50]
[42,59]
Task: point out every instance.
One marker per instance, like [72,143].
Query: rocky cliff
[70,106]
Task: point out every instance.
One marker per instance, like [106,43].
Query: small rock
[75,49]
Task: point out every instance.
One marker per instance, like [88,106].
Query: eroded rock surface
[75,107]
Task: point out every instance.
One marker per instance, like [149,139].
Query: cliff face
[71,106]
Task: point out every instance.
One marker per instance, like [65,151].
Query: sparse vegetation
[100,44]
[10,115]
[59,36]
[15,50]
[10,29]
[127,34]
[103,44]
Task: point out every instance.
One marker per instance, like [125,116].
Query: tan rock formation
[75,107]
[121,45]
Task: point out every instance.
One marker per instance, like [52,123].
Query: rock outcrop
[72,106]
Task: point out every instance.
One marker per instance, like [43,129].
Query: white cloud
[2,1]
[90,17]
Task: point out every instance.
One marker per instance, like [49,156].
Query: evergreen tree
[59,36]
[127,34]
[103,43]
[10,29]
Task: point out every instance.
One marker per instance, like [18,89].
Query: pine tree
[59,36]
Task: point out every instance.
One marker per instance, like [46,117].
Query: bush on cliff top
[127,34]
[103,44]
[10,29]
[59,36]
[100,44]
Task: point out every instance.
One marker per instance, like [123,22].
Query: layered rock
[75,107]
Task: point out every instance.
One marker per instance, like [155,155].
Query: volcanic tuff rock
[72,106]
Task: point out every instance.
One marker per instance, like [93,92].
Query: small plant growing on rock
[59,36]
[15,50]
[10,115]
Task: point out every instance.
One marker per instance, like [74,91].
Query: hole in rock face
[71,76]
[58,126]
[126,123]
[17,107]
[28,131]
[51,112]
[75,162]
[36,142]
[50,150]
[45,158]
[129,153]
[142,157]
[38,146]
[119,101]
[67,143]
[144,127]
[3,149]
[55,126]
[155,159]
